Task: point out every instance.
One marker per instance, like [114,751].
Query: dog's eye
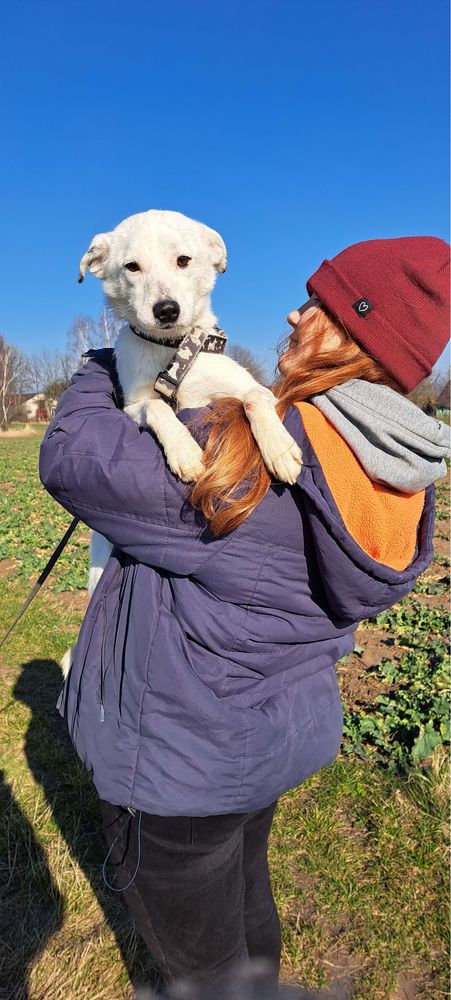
[183,261]
[132,266]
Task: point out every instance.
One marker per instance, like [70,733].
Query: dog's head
[158,269]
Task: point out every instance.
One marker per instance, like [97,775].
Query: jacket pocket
[263,690]
[102,661]
[55,430]
[291,710]
[108,692]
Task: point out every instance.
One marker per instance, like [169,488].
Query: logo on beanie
[362,307]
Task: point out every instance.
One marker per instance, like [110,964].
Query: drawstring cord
[122,888]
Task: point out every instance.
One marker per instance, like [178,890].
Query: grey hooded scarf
[395,442]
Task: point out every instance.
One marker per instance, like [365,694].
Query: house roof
[24,397]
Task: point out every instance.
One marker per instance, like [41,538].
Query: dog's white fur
[154,241]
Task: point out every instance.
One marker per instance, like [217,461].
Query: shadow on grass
[26,888]
[74,804]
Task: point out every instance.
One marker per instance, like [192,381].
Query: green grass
[357,856]
[358,862]
[32,522]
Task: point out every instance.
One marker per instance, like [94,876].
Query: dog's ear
[218,249]
[95,258]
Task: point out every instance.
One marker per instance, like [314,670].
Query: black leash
[43,576]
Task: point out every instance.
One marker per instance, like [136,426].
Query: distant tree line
[48,373]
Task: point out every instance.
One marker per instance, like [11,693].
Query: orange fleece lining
[382,521]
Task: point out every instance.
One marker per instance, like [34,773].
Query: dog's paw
[281,455]
[288,465]
[185,459]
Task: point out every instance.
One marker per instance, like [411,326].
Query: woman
[204,683]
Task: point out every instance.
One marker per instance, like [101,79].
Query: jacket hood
[395,442]
[356,586]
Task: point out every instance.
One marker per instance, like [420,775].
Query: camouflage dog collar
[167,382]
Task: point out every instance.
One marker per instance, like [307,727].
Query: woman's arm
[96,463]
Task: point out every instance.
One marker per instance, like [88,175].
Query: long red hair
[235,478]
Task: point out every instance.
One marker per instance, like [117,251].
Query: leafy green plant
[411,621]
[403,726]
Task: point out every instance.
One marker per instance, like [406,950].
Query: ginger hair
[235,478]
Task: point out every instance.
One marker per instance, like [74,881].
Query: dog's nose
[166,311]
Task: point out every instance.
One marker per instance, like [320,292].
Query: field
[358,853]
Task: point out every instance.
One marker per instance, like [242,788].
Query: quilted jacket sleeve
[102,468]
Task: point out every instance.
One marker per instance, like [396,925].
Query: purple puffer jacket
[204,678]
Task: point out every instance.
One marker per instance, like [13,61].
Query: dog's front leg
[183,454]
[281,455]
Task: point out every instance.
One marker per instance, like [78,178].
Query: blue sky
[292,127]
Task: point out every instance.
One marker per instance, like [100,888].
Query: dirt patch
[441,548]
[410,986]
[7,566]
[377,644]
[433,600]
[358,684]
[334,959]
[17,432]
[302,909]
[66,600]
[69,600]
[340,967]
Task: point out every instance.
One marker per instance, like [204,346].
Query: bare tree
[48,366]
[82,335]
[244,357]
[108,326]
[87,333]
[50,373]
[14,379]
[52,393]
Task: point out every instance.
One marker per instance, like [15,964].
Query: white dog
[158,270]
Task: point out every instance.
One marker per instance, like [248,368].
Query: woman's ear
[95,258]
[218,250]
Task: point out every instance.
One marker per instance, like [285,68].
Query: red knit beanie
[393,298]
